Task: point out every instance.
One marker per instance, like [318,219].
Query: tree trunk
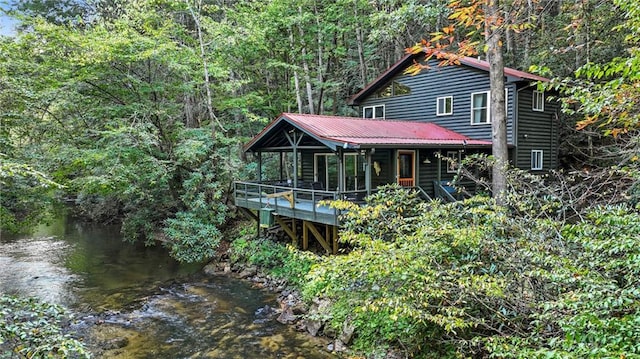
[497,111]
[360,44]
[305,67]
[205,67]
[296,79]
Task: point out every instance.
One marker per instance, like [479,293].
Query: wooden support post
[294,224]
[290,232]
[318,236]
[305,236]
[335,239]
[327,233]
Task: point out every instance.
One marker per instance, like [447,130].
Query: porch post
[340,172]
[259,174]
[439,157]
[294,145]
[281,155]
[367,171]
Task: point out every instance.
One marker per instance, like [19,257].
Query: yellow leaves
[448,30]
[417,48]
[586,122]
[415,69]
[618,131]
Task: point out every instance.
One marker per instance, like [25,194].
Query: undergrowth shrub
[447,274]
[278,260]
[600,316]
[30,328]
[474,279]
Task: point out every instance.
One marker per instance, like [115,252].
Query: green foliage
[30,328]
[25,199]
[391,204]
[481,279]
[280,261]
[190,238]
[194,233]
[457,271]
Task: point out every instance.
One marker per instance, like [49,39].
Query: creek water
[131,301]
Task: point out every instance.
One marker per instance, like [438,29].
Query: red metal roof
[404,62]
[360,132]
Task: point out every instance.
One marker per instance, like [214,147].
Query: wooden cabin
[408,124]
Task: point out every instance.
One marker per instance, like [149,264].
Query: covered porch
[305,159]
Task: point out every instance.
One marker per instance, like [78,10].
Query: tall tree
[483,23]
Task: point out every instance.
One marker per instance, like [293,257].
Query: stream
[132,301]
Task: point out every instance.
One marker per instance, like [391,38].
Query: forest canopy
[136,110]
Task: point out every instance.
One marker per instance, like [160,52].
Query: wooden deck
[296,203]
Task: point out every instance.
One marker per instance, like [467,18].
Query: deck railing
[298,202]
[445,191]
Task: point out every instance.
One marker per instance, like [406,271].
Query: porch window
[480,108]
[325,170]
[452,161]
[354,172]
[444,106]
[537,157]
[538,101]
[373,111]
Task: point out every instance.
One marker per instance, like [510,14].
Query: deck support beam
[310,227]
[249,214]
[290,231]
[335,239]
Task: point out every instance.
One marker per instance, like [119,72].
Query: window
[326,170]
[393,88]
[353,171]
[536,159]
[538,101]
[480,108]
[452,161]
[444,106]
[373,111]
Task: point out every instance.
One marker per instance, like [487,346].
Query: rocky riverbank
[292,309]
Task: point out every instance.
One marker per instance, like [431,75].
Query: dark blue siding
[536,131]
[457,81]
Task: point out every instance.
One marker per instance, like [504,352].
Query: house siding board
[459,82]
[541,130]
[427,172]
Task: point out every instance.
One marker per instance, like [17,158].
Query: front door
[406,168]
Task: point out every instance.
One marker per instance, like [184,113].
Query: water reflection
[135,302]
[73,263]
[35,267]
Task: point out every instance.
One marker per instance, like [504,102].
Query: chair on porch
[319,186]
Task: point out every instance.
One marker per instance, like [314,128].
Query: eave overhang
[335,133]
[511,75]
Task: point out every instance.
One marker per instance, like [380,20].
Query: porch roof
[336,132]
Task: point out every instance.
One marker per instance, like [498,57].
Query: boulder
[347,332]
[248,272]
[313,326]
[210,269]
[286,315]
